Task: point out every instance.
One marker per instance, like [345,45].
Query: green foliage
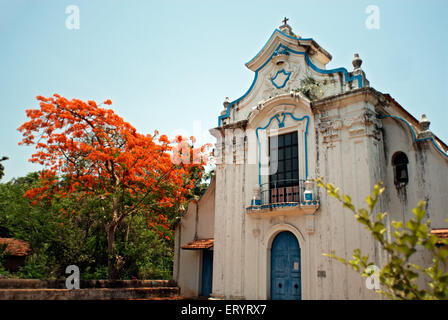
[3,271]
[146,255]
[201,184]
[65,232]
[398,277]
[36,267]
[311,88]
[2,168]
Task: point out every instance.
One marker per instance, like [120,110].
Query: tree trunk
[128,228]
[111,261]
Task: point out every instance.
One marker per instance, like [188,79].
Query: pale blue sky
[168,64]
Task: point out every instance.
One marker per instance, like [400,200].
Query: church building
[262,227]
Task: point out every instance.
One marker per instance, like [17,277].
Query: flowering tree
[89,152]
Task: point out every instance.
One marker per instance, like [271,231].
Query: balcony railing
[281,191]
[284,194]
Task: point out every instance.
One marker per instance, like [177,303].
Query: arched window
[400,163]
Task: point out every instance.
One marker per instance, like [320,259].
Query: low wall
[83,284]
[30,289]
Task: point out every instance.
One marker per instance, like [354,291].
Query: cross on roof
[285,20]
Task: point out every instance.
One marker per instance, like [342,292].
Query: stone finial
[357,62]
[308,193]
[308,184]
[424,123]
[226,102]
[256,201]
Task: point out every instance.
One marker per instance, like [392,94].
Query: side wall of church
[427,172]
[428,181]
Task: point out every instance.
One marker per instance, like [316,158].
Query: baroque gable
[283,65]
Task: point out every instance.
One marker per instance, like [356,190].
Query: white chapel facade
[260,230]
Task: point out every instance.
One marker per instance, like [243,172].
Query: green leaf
[397,224]
[419,211]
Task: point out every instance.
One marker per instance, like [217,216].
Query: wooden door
[285,267]
[207,272]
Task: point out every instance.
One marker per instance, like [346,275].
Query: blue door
[207,272]
[285,268]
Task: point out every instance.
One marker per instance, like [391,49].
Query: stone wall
[31,289]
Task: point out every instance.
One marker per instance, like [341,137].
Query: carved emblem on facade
[280,79]
[365,124]
[330,130]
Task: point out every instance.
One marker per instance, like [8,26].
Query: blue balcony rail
[281,191]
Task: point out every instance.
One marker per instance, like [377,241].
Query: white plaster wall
[188,263]
[428,175]
[348,160]
[206,220]
[428,180]
[228,261]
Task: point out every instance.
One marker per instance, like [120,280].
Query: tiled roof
[16,247]
[441,233]
[199,244]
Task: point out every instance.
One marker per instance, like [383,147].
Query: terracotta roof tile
[440,233]
[16,247]
[199,244]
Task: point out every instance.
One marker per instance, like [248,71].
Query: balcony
[284,196]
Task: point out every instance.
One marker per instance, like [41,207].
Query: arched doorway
[285,267]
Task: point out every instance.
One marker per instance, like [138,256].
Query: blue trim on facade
[281,205]
[282,33]
[414,136]
[287,74]
[307,60]
[281,124]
